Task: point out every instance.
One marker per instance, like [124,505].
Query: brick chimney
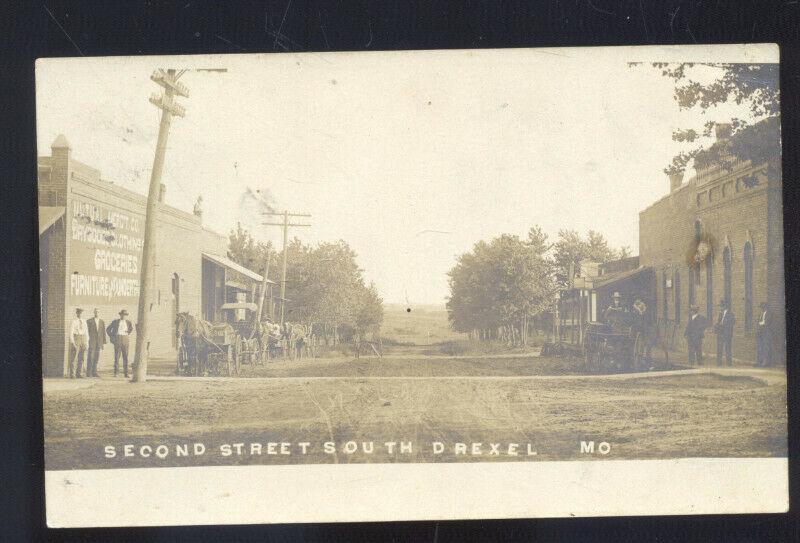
[162,192]
[723,131]
[675,181]
[60,152]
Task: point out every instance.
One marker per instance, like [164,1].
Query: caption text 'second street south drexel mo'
[395,258]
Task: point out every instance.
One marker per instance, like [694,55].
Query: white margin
[383,492]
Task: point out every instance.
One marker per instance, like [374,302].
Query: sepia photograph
[537,266]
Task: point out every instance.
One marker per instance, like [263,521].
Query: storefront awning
[48,215]
[231,265]
[615,279]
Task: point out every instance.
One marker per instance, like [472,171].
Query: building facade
[590,293]
[718,236]
[91,237]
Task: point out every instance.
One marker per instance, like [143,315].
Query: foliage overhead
[753,86]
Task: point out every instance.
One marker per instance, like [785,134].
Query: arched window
[748,285]
[665,297]
[676,287]
[726,275]
[709,287]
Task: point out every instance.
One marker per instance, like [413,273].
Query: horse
[192,337]
[297,340]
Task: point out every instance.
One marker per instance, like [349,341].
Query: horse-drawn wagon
[206,348]
[617,345]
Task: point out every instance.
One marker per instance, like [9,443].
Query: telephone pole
[168,79]
[286,225]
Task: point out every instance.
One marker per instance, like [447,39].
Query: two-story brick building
[91,237]
[717,236]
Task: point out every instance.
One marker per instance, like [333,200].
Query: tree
[500,284]
[368,310]
[324,284]
[571,249]
[245,250]
[706,85]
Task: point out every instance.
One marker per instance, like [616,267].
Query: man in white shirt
[78,337]
[724,330]
[764,337]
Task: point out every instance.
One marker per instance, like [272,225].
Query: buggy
[617,346]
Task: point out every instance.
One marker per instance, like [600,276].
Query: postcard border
[381,492]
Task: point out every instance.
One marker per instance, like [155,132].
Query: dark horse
[193,342]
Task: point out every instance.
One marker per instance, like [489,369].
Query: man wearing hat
[724,330]
[764,337]
[97,338]
[78,336]
[614,309]
[694,332]
[119,332]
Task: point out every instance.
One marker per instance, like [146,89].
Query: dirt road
[698,413]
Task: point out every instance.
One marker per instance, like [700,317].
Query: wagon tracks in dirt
[326,417]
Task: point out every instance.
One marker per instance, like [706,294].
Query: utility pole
[263,295]
[286,225]
[168,79]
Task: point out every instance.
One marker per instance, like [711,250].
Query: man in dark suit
[694,333]
[97,338]
[724,330]
[119,332]
[764,337]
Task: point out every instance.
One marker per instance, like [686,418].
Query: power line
[286,225]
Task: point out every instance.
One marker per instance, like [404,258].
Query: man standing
[724,330]
[695,330]
[119,332]
[613,313]
[97,338]
[764,337]
[77,341]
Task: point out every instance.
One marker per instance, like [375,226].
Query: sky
[410,157]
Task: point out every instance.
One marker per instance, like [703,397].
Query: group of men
[723,328]
[88,337]
[696,328]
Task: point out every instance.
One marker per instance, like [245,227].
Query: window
[748,286]
[665,307]
[676,287]
[698,230]
[726,275]
[693,276]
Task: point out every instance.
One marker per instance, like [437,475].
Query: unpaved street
[739,412]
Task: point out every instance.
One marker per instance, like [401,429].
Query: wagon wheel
[603,356]
[237,354]
[638,352]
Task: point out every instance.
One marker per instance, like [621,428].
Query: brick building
[91,237]
[717,236]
